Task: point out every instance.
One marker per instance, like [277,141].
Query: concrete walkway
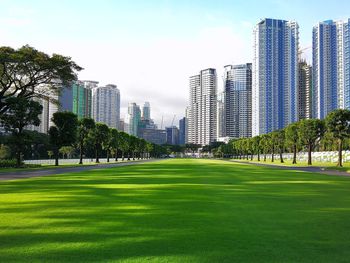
[310,169]
[61,170]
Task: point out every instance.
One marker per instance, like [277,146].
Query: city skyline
[155,41]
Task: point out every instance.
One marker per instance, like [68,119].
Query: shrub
[7,163]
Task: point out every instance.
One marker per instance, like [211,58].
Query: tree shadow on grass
[182,211]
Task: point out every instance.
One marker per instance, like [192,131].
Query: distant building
[331,70]
[202,123]
[221,116]
[106,105]
[146,111]
[238,101]
[153,135]
[182,131]
[172,135]
[275,75]
[133,118]
[77,99]
[121,125]
[305,91]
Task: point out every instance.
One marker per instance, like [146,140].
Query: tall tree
[292,139]
[338,124]
[20,113]
[123,143]
[100,135]
[64,133]
[273,143]
[85,127]
[27,73]
[281,142]
[310,132]
[256,146]
[114,142]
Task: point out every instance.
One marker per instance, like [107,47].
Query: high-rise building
[203,108]
[182,131]
[106,105]
[331,58]
[133,118]
[153,135]
[275,75]
[77,99]
[238,101]
[221,118]
[305,91]
[172,135]
[146,111]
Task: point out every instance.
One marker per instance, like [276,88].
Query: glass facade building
[275,75]
[238,101]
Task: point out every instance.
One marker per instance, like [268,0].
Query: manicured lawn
[177,211]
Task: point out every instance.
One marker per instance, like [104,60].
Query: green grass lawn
[177,211]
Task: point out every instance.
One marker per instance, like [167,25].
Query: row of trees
[309,134]
[27,74]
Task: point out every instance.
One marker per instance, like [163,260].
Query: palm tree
[123,143]
[100,136]
[281,143]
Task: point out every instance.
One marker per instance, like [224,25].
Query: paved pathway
[311,169]
[51,171]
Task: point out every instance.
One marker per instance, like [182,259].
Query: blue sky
[150,48]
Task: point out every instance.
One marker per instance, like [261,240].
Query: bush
[12,163]
[8,163]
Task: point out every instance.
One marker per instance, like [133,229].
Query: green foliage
[9,163]
[27,73]
[5,151]
[64,133]
[20,113]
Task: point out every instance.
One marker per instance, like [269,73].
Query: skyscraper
[238,101]
[221,118]
[106,105]
[133,118]
[275,75]
[77,98]
[172,135]
[331,58]
[305,91]
[146,111]
[182,131]
[202,109]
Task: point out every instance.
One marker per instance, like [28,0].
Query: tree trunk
[116,155]
[281,155]
[264,157]
[107,155]
[294,154]
[81,155]
[18,157]
[122,155]
[56,157]
[273,154]
[128,156]
[309,162]
[340,151]
[251,156]
[258,156]
[96,155]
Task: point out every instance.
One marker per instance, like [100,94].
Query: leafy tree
[27,73]
[20,113]
[100,136]
[114,140]
[256,146]
[292,139]
[280,143]
[66,151]
[5,151]
[338,124]
[123,143]
[310,131]
[273,142]
[64,133]
[85,127]
[265,144]
[192,147]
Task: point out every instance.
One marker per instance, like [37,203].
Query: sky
[149,49]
